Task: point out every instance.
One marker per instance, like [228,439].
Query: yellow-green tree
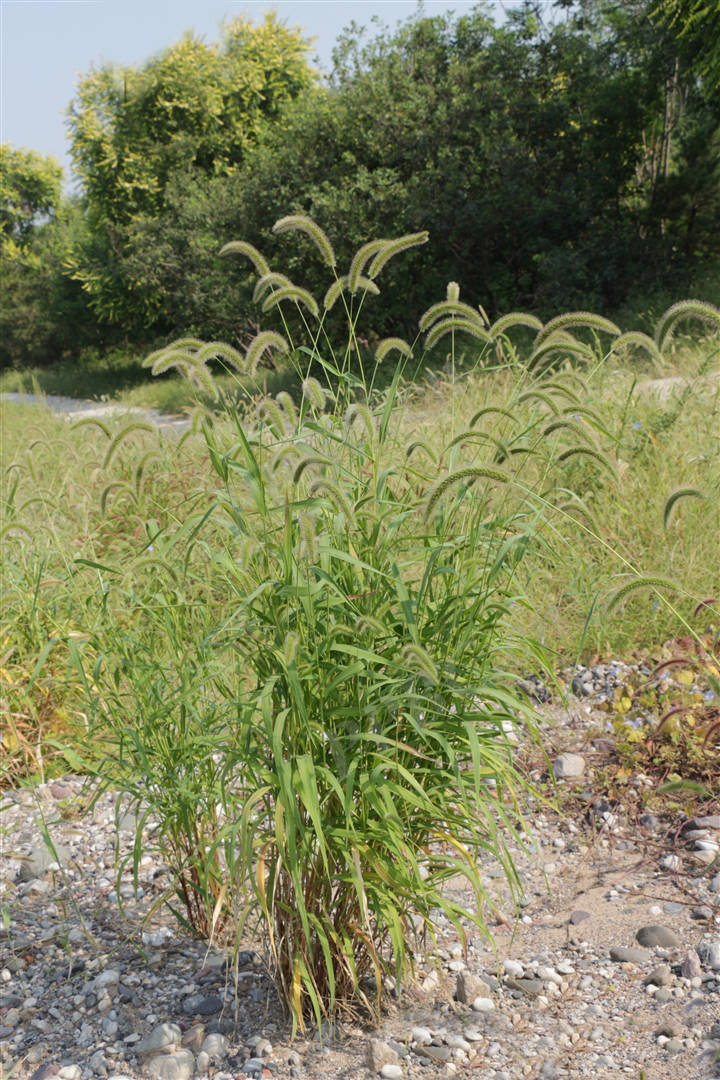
[192,110]
[30,191]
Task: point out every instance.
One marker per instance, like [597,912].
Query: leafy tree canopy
[30,189]
[696,25]
[195,105]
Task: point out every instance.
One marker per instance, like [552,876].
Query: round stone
[654,936]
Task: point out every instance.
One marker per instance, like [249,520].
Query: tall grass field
[296,635]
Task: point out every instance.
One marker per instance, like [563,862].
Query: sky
[45,45]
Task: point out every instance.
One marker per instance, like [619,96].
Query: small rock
[40,861]
[202,1005]
[468,987]
[379,1054]
[714,885]
[108,977]
[690,967]
[658,936]
[630,955]
[391,1072]
[671,862]
[659,976]
[253,1067]
[568,766]
[45,1072]
[421,1035]
[514,967]
[709,953]
[435,1053]
[530,987]
[710,821]
[702,911]
[664,994]
[165,1037]
[179,1065]
[579,916]
[216,1046]
[650,823]
[483,1005]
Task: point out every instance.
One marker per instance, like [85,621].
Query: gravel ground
[609,967]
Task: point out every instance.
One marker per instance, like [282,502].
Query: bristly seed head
[303,223]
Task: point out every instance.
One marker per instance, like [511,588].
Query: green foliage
[193,110]
[30,188]
[669,722]
[696,26]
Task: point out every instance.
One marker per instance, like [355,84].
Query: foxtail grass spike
[116,485]
[635,339]
[337,288]
[538,395]
[449,307]
[287,404]
[419,661]
[590,452]
[355,411]
[334,494]
[266,339]
[94,422]
[186,344]
[490,410]
[420,444]
[639,583]
[313,459]
[305,224]
[171,358]
[218,350]
[455,325]
[313,393]
[268,281]
[514,318]
[270,413]
[585,319]
[684,309]
[369,624]
[453,292]
[138,425]
[475,472]
[294,293]
[394,247]
[241,247]
[560,388]
[282,454]
[562,424]
[360,259]
[388,345]
[672,500]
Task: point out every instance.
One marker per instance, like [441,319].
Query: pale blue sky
[46,44]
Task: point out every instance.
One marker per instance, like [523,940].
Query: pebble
[629,955]
[568,766]
[535,1024]
[483,1004]
[179,1065]
[658,936]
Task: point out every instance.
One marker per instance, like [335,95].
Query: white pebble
[391,1072]
[483,1004]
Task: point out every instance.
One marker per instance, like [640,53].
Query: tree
[695,24]
[30,191]
[194,109]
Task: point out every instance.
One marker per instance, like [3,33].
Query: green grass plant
[292,637]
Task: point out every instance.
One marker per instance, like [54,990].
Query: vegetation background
[560,164]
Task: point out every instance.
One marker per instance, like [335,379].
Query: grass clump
[298,632]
